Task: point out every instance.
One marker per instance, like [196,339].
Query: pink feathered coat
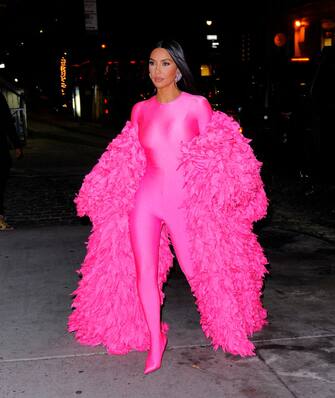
[225,196]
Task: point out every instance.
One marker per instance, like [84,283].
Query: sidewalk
[310,210]
[39,359]
[57,156]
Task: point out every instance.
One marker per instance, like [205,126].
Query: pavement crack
[318,336]
[277,376]
[306,375]
[50,357]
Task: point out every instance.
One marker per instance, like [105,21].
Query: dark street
[204,91]
[295,352]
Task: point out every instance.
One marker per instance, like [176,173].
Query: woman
[177,173]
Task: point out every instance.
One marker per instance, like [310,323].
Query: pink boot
[155,355]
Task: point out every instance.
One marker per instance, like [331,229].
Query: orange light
[63,76]
[297,23]
[241,130]
[103,45]
[300,59]
[280,40]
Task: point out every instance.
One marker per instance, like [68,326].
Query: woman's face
[162,68]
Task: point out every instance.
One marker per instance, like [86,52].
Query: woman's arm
[204,113]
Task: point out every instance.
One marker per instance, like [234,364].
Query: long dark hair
[186,83]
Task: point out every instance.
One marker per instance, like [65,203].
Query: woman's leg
[145,229]
[176,225]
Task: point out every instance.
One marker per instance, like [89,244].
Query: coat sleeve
[224,197]
[113,180]
[223,160]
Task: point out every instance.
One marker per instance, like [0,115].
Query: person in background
[8,139]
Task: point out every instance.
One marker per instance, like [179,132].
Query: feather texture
[224,196]
[106,306]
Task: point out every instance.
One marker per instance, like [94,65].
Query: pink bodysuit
[170,155]
[161,129]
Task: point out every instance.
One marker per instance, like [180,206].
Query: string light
[63,77]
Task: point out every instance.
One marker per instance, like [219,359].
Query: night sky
[127,31]
[30,54]
[65,19]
